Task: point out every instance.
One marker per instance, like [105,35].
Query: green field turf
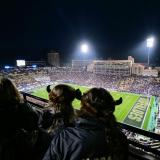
[121,112]
[145,125]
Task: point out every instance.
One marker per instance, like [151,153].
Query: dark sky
[115,28]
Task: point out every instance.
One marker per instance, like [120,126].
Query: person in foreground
[59,114]
[18,123]
[95,135]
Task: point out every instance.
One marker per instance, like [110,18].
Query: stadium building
[111,67]
[53,59]
[137,69]
[36,63]
[80,65]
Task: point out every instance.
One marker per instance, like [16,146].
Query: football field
[133,111]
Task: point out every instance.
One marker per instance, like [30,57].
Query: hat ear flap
[48,89]
[119,101]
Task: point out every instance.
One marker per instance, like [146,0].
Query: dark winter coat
[86,140]
[18,126]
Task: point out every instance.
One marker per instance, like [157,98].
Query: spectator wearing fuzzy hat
[60,104]
[59,115]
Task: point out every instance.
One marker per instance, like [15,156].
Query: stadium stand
[26,79]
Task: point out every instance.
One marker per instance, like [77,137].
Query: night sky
[116,29]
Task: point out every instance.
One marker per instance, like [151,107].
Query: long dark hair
[61,98]
[9,94]
[99,103]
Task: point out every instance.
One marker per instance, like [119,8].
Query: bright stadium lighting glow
[150,42]
[21,63]
[34,66]
[84,48]
[6,67]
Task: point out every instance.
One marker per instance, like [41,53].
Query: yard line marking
[146,112]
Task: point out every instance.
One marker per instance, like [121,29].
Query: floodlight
[150,42]
[84,48]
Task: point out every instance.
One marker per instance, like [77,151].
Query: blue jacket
[85,140]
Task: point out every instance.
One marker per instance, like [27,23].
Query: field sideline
[121,112]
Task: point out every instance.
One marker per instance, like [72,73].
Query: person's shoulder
[64,133]
[64,139]
[23,104]
[26,109]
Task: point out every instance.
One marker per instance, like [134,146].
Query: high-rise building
[53,59]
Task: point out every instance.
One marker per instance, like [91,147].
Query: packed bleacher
[29,78]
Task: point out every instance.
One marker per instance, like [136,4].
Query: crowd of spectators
[135,84]
[26,79]
[31,78]
[140,139]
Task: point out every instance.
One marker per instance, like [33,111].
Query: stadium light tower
[150,44]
